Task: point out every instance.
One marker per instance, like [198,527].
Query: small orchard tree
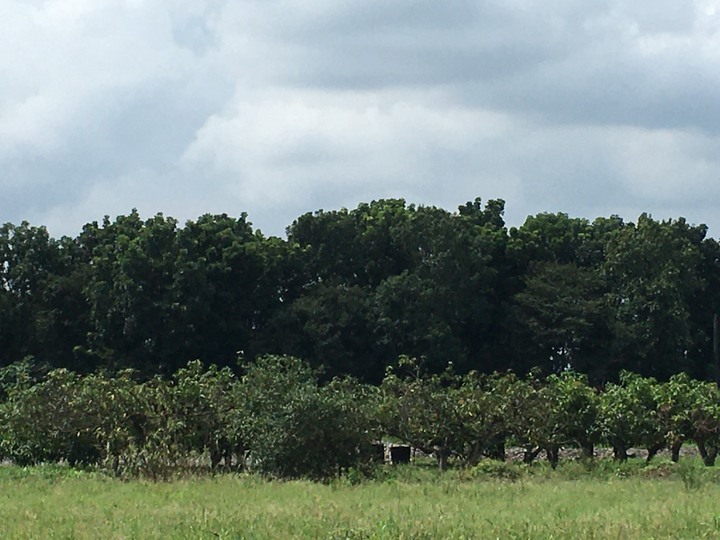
[296,428]
[483,409]
[527,415]
[47,421]
[630,416]
[575,407]
[695,415]
[539,419]
[421,410]
[677,398]
[155,449]
[203,402]
[112,403]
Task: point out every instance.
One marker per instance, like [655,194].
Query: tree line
[354,290]
[278,419]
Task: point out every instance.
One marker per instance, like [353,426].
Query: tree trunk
[652,452]
[588,450]
[553,455]
[441,455]
[474,453]
[531,452]
[711,455]
[496,450]
[708,455]
[675,451]
[620,453]
[215,457]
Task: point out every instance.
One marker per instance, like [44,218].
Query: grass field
[503,501]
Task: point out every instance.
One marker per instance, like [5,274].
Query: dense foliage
[560,333]
[278,419]
[353,290]
[275,419]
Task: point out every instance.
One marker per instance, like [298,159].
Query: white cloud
[281,107]
[290,147]
[674,166]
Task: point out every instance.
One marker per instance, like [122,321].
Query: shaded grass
[577,501]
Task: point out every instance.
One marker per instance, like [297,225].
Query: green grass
[490,501]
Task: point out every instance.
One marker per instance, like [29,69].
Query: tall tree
[129,290]
[653,271]
[444,306]
[562,320]
[234,287]
[42,310]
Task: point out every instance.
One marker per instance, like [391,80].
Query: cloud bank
[281,107]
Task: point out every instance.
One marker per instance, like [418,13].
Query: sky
[281,107]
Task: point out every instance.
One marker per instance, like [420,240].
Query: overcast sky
[280,107]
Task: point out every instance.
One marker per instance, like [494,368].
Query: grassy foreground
[666,501]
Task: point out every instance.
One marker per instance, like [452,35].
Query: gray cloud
[281,107]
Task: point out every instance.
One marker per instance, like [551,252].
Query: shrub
[296,428]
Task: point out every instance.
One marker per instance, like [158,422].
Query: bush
[47,422]
[296,428]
